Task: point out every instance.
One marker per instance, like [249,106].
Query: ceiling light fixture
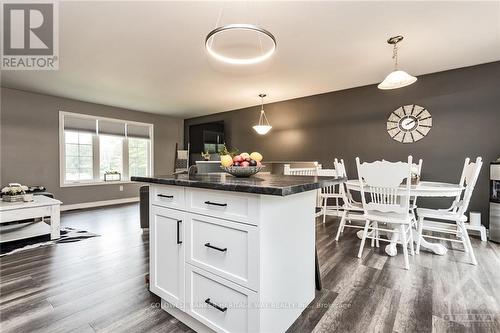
[398,78]
[263,127]
[239,61]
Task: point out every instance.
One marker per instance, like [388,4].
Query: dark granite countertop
[269,184]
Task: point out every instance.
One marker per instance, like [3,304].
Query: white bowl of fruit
[242,165]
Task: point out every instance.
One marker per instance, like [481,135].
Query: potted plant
[205,155]
[112,175]
[16,192]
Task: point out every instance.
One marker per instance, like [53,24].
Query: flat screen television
[205,137]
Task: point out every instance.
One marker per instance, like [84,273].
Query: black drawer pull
[178,231]
[216,248]
[216,203]
[221,309]
[165,196]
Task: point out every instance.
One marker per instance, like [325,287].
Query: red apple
[245,164]
[238,158]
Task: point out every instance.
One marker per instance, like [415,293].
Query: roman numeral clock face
[409,123]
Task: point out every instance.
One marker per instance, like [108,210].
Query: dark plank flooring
[98,285]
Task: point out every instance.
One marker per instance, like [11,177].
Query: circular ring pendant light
[239,61]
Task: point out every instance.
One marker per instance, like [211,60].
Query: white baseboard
[99,203]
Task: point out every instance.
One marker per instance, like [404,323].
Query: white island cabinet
[230,260]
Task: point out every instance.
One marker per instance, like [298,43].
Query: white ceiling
[150,56]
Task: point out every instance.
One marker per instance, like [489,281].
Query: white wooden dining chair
[385,201]
[331,193]
[300,171]
[456,213]
[287,170]
[351,209]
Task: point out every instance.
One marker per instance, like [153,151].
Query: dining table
[422,189]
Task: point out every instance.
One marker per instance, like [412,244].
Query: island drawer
[229,205]
[168,196]
[221,305]
[228,249]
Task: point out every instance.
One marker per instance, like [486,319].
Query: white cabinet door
[167,254]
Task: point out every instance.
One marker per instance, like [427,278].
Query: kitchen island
[233,254]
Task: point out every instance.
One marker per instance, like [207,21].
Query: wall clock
[409,123]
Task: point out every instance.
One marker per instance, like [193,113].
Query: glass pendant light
[398,78]
[263,127]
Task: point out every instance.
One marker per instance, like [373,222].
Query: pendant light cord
[218,21]
[395,56]
[262,113]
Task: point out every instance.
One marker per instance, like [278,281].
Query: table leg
[434,247]
[55,222]
[392,250]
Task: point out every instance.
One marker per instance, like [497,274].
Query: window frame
[96,152]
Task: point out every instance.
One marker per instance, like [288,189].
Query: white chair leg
[365,232]
[467,243]
[377,243]
[341,225]
[414,217]
[420,225]
[412,248]
[324,209]
[461,236]
[337,205]
[405,245]
[348,220]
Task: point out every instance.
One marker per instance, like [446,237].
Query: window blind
[79,124]
[138,131]
[111,127]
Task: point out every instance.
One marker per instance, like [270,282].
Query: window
[138,156]
[79,156]
[94,146]
[111,154]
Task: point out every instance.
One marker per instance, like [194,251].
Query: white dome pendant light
[398,78]
[263,127]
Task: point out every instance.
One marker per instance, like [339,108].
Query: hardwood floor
[98,285]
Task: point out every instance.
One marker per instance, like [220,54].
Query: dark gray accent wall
[464,104]
[29,154]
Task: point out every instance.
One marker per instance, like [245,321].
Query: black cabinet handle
[178,231]
[221,309]
[165,196]
[216,203]
[216,248]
